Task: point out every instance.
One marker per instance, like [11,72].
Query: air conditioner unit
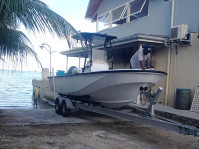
[179,32]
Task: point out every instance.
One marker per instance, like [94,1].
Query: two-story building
[138,22]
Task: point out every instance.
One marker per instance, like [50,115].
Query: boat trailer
[64,104]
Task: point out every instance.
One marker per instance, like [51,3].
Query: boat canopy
[91,40]
[94,38]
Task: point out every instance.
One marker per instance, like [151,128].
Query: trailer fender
[69,103]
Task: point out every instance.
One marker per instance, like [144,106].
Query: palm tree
[35,16]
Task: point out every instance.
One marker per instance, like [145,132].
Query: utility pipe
[169,56]
[172,13]
[168,76]
[175,71]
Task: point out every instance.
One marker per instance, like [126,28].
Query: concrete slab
[11,117]
[167,109]
[183,116]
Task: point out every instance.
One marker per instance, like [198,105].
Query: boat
[112,88]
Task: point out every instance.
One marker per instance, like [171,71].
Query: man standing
[140,60]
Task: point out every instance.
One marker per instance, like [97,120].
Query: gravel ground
[89,131]
[101,135]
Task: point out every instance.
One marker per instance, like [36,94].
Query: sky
[74,12]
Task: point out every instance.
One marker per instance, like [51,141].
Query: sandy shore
[87,131]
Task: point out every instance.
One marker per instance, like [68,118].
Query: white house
[137,22]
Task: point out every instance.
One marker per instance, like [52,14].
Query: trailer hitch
[152,98]
[171,125]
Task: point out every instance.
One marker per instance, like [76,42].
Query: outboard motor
[74,70]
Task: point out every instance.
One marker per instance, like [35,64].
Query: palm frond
[34,15]
[2,59]
[15,45]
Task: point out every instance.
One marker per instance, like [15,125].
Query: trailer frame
[147,118]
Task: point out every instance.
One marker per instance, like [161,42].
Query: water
[16,90]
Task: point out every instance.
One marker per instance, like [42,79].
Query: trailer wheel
[57,106]
[65,110]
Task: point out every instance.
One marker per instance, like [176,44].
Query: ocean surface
[16,90]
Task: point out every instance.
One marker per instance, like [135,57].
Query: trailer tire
[65,110]
[57,107]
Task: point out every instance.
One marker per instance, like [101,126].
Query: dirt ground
[89,134]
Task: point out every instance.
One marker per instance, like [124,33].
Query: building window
[138,9]
[118,15]
[103,20]
[130,11]
[166,1]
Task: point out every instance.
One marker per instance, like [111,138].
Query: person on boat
[140,60]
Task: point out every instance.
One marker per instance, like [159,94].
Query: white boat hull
[111,89]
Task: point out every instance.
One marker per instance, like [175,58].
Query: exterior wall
[157,23]
[99,55]
[122,57]
[108,5]
[159,57]
[45,73]
[121,65]
[184,68]
[186,12]
[41,89]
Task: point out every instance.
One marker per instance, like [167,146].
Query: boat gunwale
[113,71]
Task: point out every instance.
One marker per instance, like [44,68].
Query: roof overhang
[130,41]
[137,39]
[92,8]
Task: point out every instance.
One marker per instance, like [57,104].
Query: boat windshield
[97,40]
